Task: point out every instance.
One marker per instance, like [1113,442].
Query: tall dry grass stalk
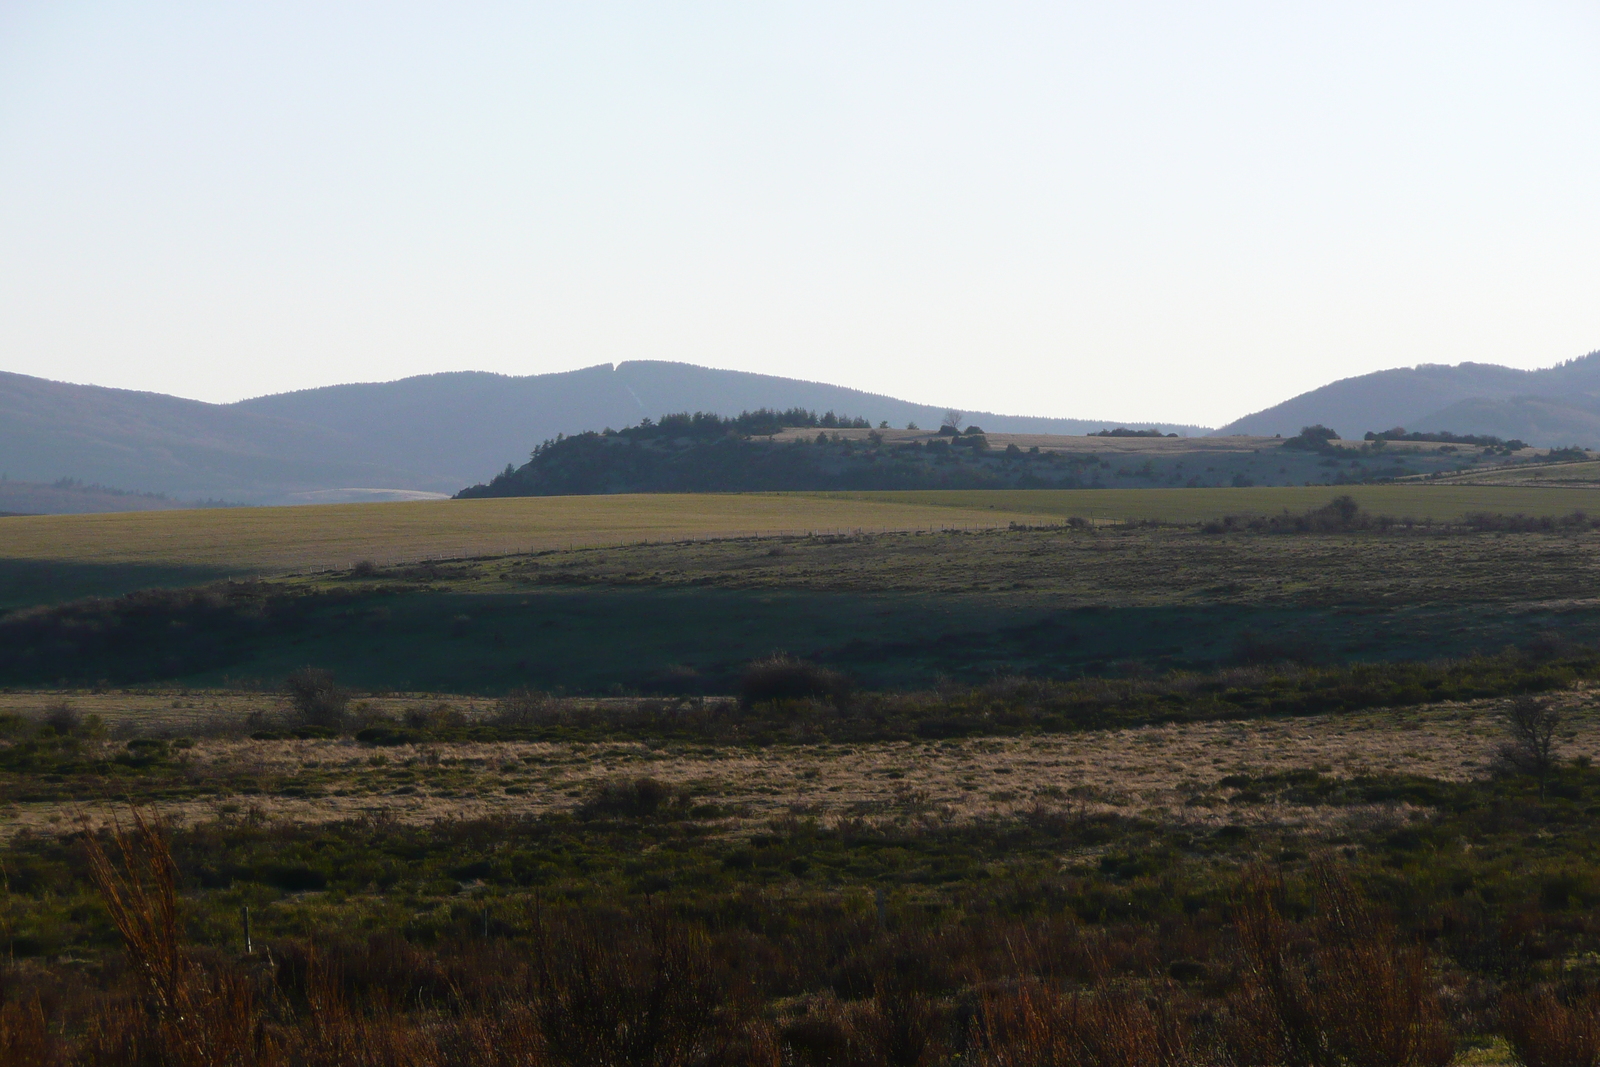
[1030,1025]
[180,1015]
[1340,991]
[633,992]
[25,1037]
[1544,1032]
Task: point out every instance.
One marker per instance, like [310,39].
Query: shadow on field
[698,640]
[29,582]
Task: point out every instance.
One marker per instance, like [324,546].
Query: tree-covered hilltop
[704,453]
[707,453]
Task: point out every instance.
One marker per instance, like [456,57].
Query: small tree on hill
[952,419]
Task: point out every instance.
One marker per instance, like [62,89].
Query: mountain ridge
[1547,406]
[435,434]
[427,433]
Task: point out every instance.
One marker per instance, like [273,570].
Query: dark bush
[317,699]
[387,735]
[783,677]
[293,878]
[1312,439]
[440,716]
[63,718]
[640,991]
[639,798]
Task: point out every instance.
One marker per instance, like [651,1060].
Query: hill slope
[150,442]
[470,423]
[1552,406]
[434,433]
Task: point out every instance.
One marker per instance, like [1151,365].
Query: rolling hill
[1551,406]
[433,435]
[429,434]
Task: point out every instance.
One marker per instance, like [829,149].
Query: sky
[1135,210]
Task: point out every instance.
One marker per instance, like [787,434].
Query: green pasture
[1419,500]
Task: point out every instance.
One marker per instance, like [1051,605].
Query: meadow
[1021,791]
[1123,896]
[889,610]
[311,537]
[249,541]
[1442,502]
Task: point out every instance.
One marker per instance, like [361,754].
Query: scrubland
[1241,792]
[246,541]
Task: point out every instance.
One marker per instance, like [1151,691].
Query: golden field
[277,539]
[338,535]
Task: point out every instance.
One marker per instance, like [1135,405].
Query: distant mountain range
[437,433]
[432,434]
[1557,405]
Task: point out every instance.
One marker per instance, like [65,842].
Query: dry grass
[257,540]
[1127,567]
[1584,475]
[261,540]
[1171,773]
[1419,500]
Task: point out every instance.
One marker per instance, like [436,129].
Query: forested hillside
[706,453]
[797,450]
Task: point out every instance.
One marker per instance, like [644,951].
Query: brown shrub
[1029,1025]
[25,1038]
[634,992]
[1544,1032]
[180,1015]
[783,677]
[1341,991]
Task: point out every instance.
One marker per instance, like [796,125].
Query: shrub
[1340,991]
[441,716]
[63,718]
[639,798]
[526,708]
[783,677]
[641,991]
[1312,439]
[1543,1032]
[317,699]
[1031,1025]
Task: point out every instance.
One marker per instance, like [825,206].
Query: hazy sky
[1180,211]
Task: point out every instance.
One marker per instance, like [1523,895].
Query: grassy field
[889,610]
[275,540]
[1585,475]
[257,540]
[1410,499]
[1173,772]
[1070,756]
[402,894]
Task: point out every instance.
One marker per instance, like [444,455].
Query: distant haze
[431,433]
[1557,405]
[1159,210]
